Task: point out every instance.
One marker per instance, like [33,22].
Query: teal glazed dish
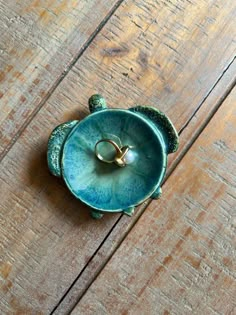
[114,159]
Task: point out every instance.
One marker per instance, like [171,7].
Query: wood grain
[143,44]
[124,224]
[39,42]
[47,237]
[180,256]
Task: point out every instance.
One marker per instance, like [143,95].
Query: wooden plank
[124,224]
[132,64]
[148,50]
[180,256]
[39,42]
[200,118]
[48,237]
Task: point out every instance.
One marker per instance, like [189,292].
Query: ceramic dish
[107,187]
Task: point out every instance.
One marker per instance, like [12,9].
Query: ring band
[120,153]
[115,145]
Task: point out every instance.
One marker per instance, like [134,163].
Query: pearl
[130,157]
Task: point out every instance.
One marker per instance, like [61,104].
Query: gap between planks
[61,78]
[183,100]
[179,257]
[69,301]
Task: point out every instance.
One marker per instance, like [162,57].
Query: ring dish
[92,151]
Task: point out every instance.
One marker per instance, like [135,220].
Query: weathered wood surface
[47,236]
[42,39]
[39,41]
[180,258]
[124,224]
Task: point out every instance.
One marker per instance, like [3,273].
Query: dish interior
[109,187]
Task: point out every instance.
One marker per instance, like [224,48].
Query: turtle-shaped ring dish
[106,187]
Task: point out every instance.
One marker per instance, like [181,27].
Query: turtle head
[96,103]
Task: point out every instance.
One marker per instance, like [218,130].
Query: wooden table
[176,255]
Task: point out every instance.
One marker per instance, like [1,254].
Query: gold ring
[114,144]
[120,153]
[119,159]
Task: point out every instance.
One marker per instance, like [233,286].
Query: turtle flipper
[96,214]
[96,103]
[129,211]
[55,145]
[157,193]
[162,123]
